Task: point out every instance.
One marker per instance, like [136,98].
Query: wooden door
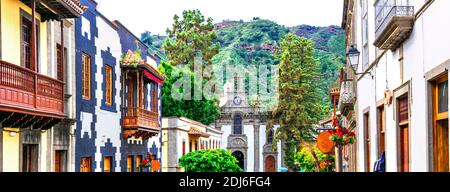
[440,128]
[403,125]
[367,140]
[240,157]
[30,158]
[269,164]
[404,148]
[58,161]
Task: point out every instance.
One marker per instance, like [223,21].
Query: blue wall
[130,42]
[85,145]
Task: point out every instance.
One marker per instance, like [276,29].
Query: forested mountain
[255,42]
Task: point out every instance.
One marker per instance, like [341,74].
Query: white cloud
[156,16]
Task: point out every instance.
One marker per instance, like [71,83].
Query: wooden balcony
[58,9]
[393,26]
[28,98]
[139,123]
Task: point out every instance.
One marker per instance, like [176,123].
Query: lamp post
[353,56]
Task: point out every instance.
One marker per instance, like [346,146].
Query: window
[85,165]
[130,164]
[381,131]
[270,137]
[403,124]
[364,4]
[59,62]
[365,33]
[107,164]
[190,146]
[365,43]
[108,85]
[367,140]
[184,147]
[86,76]
[60,160]
[26,43]
[237,125]
[440,126]
[138,163]
[196,145]
[154,98]
[236,84]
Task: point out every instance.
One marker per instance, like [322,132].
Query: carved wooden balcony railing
[58,9]
[140,121]
[27,92]
[393,25]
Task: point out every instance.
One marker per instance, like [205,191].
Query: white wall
[108,123]
[427,47]
[249,132]
[226,132]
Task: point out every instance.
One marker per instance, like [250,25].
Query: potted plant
[341,135]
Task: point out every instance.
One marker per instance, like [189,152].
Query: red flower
[351,134]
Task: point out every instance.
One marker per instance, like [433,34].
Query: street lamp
[353,57]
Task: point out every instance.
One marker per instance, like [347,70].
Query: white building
[181,136]
[244,132]
[402,97]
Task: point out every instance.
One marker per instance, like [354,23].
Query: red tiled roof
[131,58]
[197,132]
[76,5]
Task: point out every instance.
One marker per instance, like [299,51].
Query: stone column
[282,151]
[256,146]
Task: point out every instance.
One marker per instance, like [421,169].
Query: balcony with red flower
[141,83]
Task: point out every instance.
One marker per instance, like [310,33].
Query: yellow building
[31,94]
[181,136]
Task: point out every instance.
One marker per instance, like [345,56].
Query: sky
[157,15]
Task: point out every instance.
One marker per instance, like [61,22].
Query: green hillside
[255,42]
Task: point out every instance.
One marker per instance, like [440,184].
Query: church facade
[244,132]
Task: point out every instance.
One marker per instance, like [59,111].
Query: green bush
[217,160]
[307,162]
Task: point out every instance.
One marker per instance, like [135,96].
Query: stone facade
[245,132]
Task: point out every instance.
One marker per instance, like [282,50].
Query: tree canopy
[191,36]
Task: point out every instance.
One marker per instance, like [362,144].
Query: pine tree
[190,37]
[299,106]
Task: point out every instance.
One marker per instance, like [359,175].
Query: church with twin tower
[244,131]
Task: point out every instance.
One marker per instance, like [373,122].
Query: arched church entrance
[240,157]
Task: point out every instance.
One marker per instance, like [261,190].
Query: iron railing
[385,15]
